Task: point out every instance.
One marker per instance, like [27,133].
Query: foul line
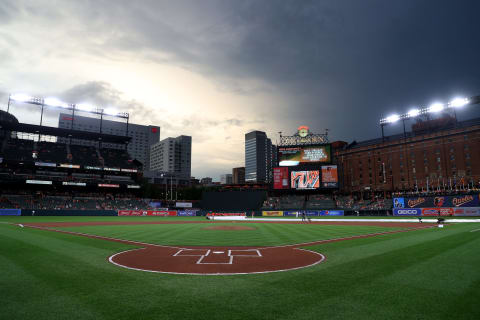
[310,243]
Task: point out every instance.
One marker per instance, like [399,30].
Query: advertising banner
[69,165]
[38,182]
[329,177]
[292,213]
[45,164]
[108,185]
[10,212]
[78,184]
[226,214]
[146,213]
[183,204]
[170,213]
[407,212]
[469,200]
[305,179]
[155,204]
[132,213]
[272,213]
[331,213]
[293,156]
[187,213]
[437,211]
[466,212]
[280,178]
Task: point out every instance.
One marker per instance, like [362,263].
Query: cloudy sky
[218,69]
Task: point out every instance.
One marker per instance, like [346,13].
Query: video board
[297,155]
[302,180]
[280,178]
[329,176]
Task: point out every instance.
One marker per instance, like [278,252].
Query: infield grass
[422,274]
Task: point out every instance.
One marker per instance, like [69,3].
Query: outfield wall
[448,212]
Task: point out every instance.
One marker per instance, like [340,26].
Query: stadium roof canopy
[65,133]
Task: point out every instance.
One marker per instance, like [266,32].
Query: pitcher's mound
[228,228]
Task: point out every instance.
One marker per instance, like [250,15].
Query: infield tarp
[10,212]
[469,200]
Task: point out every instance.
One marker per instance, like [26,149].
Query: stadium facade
[438,154]
[138,147]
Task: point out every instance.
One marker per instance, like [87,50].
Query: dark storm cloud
[340,65]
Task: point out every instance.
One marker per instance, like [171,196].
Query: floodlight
[84,107]
[413,113]
[21,97]
[436,107]
[54,102]
[110,111]
[459,102]
[393,118]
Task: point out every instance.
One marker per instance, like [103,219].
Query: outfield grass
[423,274]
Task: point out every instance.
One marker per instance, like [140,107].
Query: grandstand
[31,159]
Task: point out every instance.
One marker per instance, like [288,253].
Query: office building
[260,156]
[226,178]
[238,175]
[172,155]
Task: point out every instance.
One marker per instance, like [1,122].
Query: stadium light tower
[433,108]
[56,103]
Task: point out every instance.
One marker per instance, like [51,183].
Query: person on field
[304,216]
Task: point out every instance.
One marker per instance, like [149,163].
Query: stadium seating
[18,149]
[67,202]
[116,158]
[51,152]
[29,150]
[84,155]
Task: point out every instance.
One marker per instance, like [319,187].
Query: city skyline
[216,70]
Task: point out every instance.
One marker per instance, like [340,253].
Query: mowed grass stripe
[195,234]
[383,277]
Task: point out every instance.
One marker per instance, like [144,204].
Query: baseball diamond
[219,260]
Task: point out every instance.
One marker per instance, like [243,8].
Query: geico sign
[406,211]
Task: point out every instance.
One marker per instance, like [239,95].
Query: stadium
[80,239]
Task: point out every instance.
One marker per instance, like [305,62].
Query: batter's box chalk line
[231,253]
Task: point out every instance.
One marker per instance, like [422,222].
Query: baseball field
[190,268]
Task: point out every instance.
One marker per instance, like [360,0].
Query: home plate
[218,252]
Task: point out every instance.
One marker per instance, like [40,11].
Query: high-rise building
[206,181]
[138,148]
[238,175]
[226,178]
[260,157]
[172,155]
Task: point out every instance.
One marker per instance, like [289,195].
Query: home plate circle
[216,260]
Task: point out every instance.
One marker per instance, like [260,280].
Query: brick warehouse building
[437,153]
